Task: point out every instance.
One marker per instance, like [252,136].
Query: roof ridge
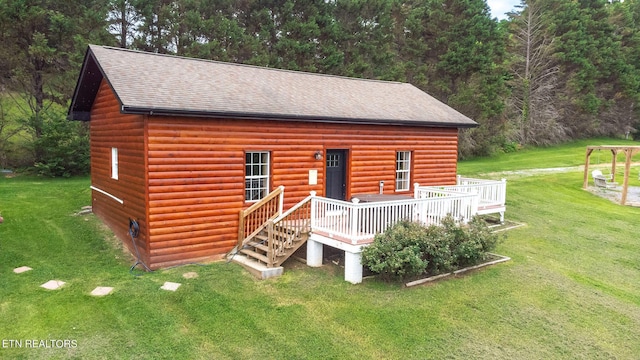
[258,67]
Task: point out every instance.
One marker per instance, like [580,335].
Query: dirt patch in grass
[496,226]
[112,240]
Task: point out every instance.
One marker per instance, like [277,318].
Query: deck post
[281,200]
[313,209]
[314,253]
[355,220]
[353,267]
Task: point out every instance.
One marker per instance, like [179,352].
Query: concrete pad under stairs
[259,270]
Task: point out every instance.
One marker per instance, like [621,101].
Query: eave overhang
[86,89]
[284,117]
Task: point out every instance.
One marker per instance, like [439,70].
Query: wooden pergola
[628,151]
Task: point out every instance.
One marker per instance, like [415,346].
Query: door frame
[347,170]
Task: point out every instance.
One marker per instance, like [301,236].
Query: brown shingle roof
[162,84]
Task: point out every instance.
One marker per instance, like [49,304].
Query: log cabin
[181,146]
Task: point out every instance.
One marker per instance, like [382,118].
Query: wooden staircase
[267,237]
[276,243]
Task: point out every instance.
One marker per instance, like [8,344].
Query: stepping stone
[101,291]
[21,269]
[85,211]
[190,275]
[170,286]
[53,284]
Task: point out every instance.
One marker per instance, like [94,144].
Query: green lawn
[571,290]
[568,155]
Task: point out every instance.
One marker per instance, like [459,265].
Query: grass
[571,290]
[567,155]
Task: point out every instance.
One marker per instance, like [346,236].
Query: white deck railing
[359,222]
[491,194]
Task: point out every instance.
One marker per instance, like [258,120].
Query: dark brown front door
[336,174]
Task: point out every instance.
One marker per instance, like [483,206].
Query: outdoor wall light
[318,155]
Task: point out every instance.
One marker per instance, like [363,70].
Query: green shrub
[469,244]
[480,232]
[436,247]
[64,146]
[408,249]
[396,253]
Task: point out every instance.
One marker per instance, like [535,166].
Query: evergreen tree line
[554,71]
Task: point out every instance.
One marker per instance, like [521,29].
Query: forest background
[552,71]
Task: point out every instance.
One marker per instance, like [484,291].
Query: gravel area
[614,194]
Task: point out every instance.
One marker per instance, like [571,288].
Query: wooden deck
[349,226]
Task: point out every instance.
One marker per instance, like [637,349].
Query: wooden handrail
[286,228]
[255,218]
[295,207]
[279,190]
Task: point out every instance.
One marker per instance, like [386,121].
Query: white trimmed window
[114,163]
[256,175]
[403,170]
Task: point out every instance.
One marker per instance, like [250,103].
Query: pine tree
[624,115]
[43,40]
[123,19]
[590,60]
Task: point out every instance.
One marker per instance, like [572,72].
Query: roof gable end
[86,89]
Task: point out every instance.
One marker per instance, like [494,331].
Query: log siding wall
[196,172]
[184,177]
[110,128]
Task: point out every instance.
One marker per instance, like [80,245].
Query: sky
[499,7]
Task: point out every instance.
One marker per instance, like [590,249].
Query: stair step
[262,237]
[259,270]
[255,255]
[285,229]
[289,230]
[258,245]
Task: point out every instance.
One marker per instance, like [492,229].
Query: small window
[403,170]
[256,175]
[333,160]
[114,163]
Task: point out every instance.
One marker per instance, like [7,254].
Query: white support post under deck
[352,256]
[353,267]
[314,253]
